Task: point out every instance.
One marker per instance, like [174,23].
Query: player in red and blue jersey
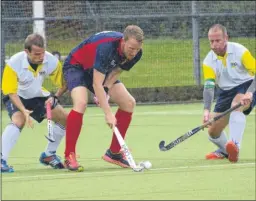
[96,64]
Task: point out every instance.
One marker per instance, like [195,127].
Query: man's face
[218,41]
[131,48]
[36,56]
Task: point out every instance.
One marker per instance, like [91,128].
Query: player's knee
[214,132]
[59,115]
[18,119]
[131,103]
[127,104]
[80,106]
[237,100]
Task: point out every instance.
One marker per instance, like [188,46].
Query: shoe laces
[56,159]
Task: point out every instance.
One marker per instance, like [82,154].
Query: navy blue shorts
[37,105]
[76,76]
[225,97]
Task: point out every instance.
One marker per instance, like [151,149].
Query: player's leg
[126,103]
[237,124]
[216,131]
[11,134]
[48,157]
[59,117]
[76,84]
[218,137]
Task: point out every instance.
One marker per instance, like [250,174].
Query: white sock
[9,138]
[237,124]
[220,141]
[58,133]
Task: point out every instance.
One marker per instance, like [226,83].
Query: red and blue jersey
[102,52]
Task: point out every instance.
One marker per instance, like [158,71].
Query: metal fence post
[196,43]
[2,49]
[2,60]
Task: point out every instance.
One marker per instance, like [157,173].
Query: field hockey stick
[49,123]
[126,152]
[190,133]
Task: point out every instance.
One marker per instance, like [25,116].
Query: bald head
[217,28]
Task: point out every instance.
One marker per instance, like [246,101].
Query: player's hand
[29,120]
[50,100]
[96,101]
[110,120]
[206,116]
[247,98]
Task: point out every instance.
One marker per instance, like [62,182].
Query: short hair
[34,39]
[133,31]
[219,27]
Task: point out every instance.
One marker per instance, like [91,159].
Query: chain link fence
[175,31]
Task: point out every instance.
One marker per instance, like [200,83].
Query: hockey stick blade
[187,135]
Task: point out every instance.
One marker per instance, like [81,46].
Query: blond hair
[133,31]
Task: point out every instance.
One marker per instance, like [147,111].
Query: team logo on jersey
[42,73]
[233,64]
[113,63]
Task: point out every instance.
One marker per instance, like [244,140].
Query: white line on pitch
[122,171]
[180,112]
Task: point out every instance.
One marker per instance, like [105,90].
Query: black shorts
[37,105]
[225,97]
[75,76]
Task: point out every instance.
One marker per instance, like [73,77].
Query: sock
[237,123]
[123,121]
[220,141]
[73,128]
[58,133]
[9,138]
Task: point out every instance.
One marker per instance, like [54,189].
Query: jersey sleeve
[9,80]
[249,62]
[102,58]
[209,73]
[128,65]
[57,75]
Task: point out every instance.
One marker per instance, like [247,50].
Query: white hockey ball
[146,164]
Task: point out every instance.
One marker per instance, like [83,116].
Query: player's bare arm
[61,91]
[250,64]
[98,79]
[248,96]
[10,88]
[112,77]
[58,80]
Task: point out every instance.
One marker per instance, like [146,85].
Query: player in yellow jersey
[24,97]
[231,67]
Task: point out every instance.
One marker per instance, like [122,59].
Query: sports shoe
[52,160]
[5,167]
[218,154]
[233,151]
[72,164]
[116,158]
